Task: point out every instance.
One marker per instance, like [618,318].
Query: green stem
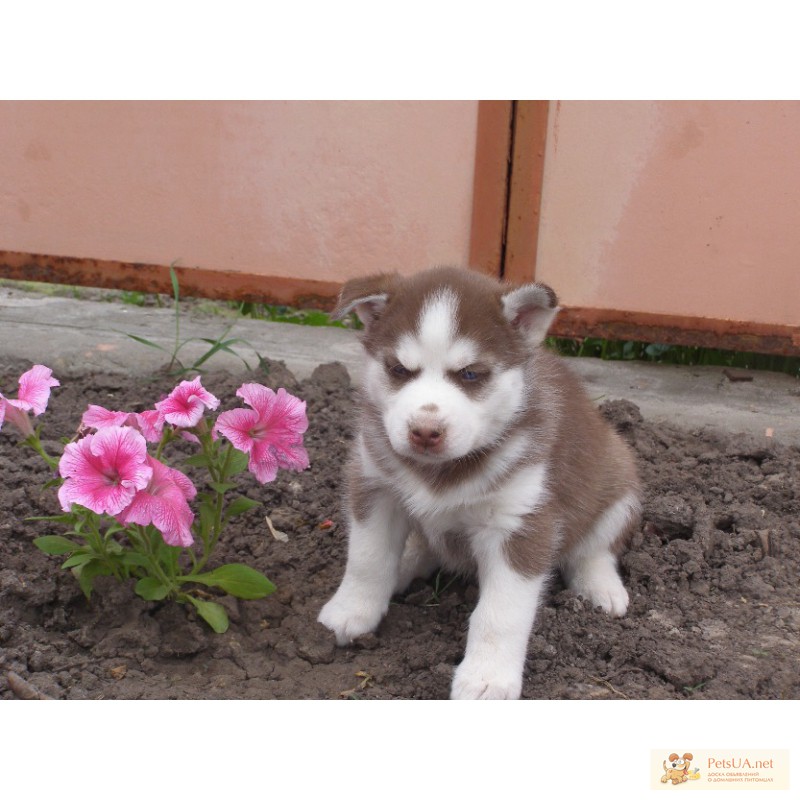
[166,436]
[99,546]
[141,542]
[33,442]
[176,295]
[221,477]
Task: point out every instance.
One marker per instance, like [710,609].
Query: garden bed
[712,574]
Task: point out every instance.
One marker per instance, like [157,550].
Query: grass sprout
[220,344]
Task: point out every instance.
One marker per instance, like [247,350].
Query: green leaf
[151,589]
[237,579]
[64,519]
[87,573]
[169,555]
[199,460]
[78,560]
[239,506]
[207,518]
[213,613]
[113,528]
[134,560]
[215,348]
[225,346]
[221,488]
[141,340]
[55,545]
[173,276]
[238,463]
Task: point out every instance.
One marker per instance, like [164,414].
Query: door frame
[509,186]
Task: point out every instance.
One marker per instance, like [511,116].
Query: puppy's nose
[426,437]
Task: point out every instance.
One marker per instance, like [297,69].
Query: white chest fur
[458,532]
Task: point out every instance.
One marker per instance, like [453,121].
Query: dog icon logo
[677,769]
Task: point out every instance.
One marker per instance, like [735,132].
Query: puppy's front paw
[607,592]
[613,599]
[349,616]
[599,582]
[483,680]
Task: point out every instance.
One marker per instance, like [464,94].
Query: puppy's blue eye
[400,371]
[468,375]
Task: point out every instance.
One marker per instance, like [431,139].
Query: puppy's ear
[531,309]
[367,297]
[688,757]
[673,756]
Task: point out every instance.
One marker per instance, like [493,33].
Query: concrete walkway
[74,336]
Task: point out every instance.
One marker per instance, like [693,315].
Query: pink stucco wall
[318,190]
[688,208]
[682,208]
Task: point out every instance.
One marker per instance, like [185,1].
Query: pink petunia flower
[149,423]
[104,470]
[163,503]
[17,417]
[270,432]
[34,389]
[33,396]
[184,405]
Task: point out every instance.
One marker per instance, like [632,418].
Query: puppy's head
[446,352]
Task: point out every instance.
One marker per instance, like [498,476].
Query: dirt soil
[712,573]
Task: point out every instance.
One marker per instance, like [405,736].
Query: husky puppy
[477,450]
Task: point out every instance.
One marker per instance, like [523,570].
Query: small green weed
[696,688]
[671,354]
[133,298]
[220,344]
[440,587]
[47,289]
[294,316]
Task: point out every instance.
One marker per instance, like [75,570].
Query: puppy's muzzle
[426,434]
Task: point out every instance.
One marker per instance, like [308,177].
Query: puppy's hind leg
[418,561]
[590,568]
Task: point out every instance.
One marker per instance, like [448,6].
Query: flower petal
[184,484]
[263,463]
[19,418]
[258,397]
[163,503]
[293,412]
[34,388]
[104,470]
[184,404]
[236,426]
[140,510]
[150,424]
[124,450]
[173,519]
[98,417]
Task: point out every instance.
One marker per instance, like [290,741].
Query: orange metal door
[675,222]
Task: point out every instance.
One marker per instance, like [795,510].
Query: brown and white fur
[478,451]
